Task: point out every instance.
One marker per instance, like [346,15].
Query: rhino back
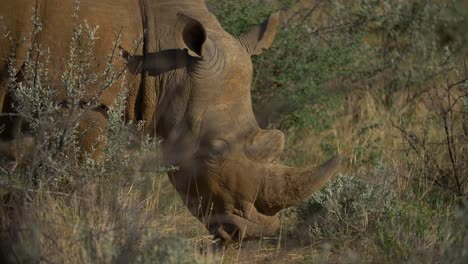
[112,17]
[14,25]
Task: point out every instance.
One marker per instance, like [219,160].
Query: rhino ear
[261,36]
[190,35]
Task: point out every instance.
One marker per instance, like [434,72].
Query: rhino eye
[215,150]
[218,147]
[218,144]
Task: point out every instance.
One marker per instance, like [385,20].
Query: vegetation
[383,83]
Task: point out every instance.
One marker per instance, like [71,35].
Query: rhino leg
[16,150]
[14,144]
[20,148]
[90,131]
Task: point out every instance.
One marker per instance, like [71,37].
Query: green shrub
[353,212]
[348,41]
[350,205]
[56,160]
[238,16]
[456,246]
[412,229]
[167,250]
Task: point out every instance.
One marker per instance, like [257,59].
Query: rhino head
[227,173]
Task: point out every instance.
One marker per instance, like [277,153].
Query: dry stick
[74,103]
[42,191]
[465,110]
[291,17]
[36,46]
[413,141]
[448,128]
[463,81]
[455,102]
[435,180]
[310,12]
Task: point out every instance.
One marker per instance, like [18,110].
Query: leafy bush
[57,160]
[167,250]
[456,247]
[412,229]
[346,206]
[344,44]
[367,211]
[238,16]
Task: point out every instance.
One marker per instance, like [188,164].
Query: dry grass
[99,223]
[112,221]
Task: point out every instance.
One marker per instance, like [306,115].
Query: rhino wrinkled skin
[190,84]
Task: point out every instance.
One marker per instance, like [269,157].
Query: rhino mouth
[240,200]
[231,227]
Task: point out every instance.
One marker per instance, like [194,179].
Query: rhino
[191,85]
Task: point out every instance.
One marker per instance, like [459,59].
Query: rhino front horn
[285,186]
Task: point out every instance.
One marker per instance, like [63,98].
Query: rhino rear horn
[285,186]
